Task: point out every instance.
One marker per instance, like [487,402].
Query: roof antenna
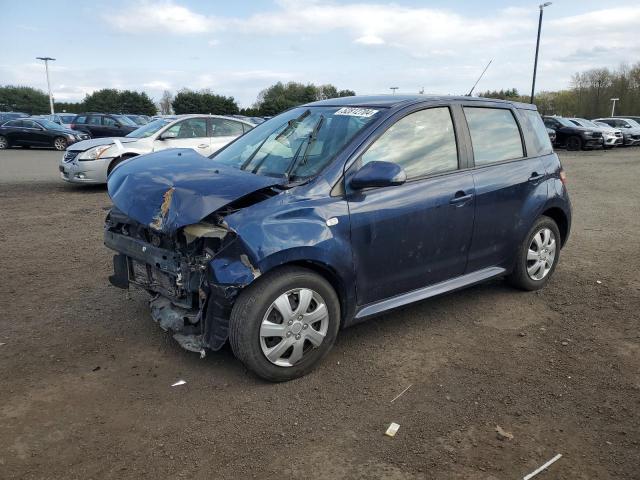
[479,78]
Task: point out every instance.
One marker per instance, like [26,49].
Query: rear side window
[226,128]
[423,143]
[94,121]
[494,134]
[532,123]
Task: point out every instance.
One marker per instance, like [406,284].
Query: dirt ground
[85,375]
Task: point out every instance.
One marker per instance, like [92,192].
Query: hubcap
[295,323]
[3,142]
[541,254]
[60,144]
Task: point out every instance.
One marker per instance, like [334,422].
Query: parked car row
[91,161]
[582,134]
[38,132]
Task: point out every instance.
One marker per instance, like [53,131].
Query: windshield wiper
[292,124]
[307,148]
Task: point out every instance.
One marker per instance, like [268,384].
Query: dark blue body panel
[374,245]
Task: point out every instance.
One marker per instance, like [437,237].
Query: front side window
[191,128]
[532,122]
[423,143]
[298,143]
[94,121]
[494,134]
[225,128]
[80,120]
[108,122]
[30,124]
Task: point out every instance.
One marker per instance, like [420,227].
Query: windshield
[564,121]
[149,129]
[583,122]
[633,123]
[298,143]
[124,120]
[49,125]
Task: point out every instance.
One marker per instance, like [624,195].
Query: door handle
[535,176]
[203,145]
[461,197]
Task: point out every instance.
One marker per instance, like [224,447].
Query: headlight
[94,153]
[588,134]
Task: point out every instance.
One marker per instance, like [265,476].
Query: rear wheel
[4,142]
[574,143]
[60,143]
[537,256]
[283,325]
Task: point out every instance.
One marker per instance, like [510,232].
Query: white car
[611,137]
[630,128]
[91,161]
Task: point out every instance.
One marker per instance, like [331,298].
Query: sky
[239,48]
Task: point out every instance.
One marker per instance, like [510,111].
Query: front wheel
[4,142]
[538,256]
[284,324]
[60,143]
[574,143]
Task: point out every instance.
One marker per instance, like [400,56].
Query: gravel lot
[85,374]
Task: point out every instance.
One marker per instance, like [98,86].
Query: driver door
[189,133]
[413,235]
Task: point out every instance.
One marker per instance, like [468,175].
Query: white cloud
[370,40]
[157,85]
[163,17]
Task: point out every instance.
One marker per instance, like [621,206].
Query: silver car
[91,161]
[630,128]
[611,137]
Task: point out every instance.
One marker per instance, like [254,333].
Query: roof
[391,101]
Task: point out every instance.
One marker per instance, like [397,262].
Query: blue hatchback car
[333,212]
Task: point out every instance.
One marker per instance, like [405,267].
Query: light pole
[46,67]
[535,63]
[393,89]
[613,107]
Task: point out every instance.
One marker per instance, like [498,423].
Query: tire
[60,143]
[574,143]
[116,161]
[4,142]
[524,276]
[256,309]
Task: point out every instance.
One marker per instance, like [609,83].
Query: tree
[24,99]
[280,96]
[203,101]
[164,105]
[119,101]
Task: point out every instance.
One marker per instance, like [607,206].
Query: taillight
[73,126]
[563,177]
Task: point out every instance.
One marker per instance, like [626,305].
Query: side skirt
[430,291]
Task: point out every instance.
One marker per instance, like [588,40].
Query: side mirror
[168,135]
[378,174]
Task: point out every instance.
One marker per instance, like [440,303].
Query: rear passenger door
[94,125]
[413,235]
[223,131]
[509,185]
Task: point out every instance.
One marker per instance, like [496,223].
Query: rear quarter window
[495,135]
[536,131]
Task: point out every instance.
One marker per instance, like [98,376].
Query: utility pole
[535,63]
[46,67]
[613,108]
[393,89]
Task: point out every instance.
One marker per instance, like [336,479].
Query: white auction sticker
[356,112]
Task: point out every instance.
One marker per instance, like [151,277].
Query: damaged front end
[193,275]
[171,239]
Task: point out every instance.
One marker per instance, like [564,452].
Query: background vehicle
[5,116]
[301,225]
[611,137]
[572,136]
[91,161]
[630,128]
[63,119]
[34,132]
[552,136]
[100,125]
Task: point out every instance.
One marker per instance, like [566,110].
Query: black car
[99,125]
[571,136]
[27,132]
[6,116]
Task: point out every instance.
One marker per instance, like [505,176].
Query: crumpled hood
[94,142]
[173,188]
